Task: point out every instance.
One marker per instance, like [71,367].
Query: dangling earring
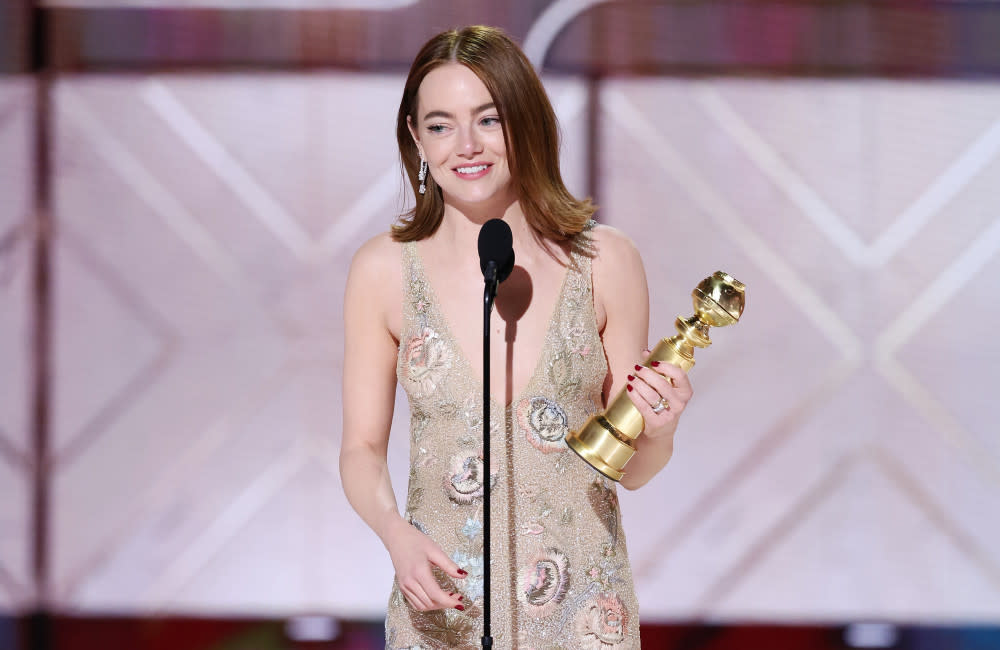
[422,174]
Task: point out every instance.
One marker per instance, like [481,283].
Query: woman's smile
[471,172]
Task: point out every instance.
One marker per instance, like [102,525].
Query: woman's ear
[413,134]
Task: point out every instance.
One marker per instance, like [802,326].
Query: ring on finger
[661,406]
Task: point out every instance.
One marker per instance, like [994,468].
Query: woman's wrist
[388,524]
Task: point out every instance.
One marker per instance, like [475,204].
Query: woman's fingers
[416,595]
[677,379]
[643,395]
[654,379]
[427,595]
[414,556]
[420,586]
[445,563]
[659,381]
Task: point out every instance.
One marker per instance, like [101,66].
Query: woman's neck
[461,225]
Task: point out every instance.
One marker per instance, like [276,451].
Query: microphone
[496,260]
[496,251]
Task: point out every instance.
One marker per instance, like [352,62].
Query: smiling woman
[459,138]
[478,140]
[509,103]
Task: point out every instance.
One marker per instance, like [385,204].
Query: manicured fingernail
[655,363]
[451,593]
[629,387]
[638,367]
[630,377]
[460,597]
[460,608]
[463,572]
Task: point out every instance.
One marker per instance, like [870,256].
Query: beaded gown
[560,571]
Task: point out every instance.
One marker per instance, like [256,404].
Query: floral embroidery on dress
[449,628]
[428,358]
[473,528]
[604,500]
[463,481]
[472,563]
[562,373]
[532,529]
[543,582]
[602,623]
[544,423]
[605,572]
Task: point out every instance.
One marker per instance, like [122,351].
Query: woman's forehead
[452,88]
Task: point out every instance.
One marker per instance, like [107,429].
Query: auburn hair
[530,132]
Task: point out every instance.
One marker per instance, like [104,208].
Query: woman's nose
[469,143]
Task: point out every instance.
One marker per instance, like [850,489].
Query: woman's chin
[477,200]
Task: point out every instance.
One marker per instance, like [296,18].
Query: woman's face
[458,131]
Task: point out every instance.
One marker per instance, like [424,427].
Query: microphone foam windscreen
[496,244]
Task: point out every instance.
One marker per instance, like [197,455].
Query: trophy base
[601,446]
[597,463]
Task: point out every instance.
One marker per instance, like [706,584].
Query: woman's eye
[436,128]
[490,121]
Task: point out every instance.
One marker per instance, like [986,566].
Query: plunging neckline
[460,352]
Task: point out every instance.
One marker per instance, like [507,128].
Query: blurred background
[182,186]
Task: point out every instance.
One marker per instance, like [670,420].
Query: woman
[478,140]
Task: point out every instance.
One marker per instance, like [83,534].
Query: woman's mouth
[472,171]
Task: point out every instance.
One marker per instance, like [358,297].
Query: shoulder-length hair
[530,134]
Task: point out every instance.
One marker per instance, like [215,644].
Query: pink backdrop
[841,459]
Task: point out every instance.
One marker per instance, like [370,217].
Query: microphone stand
[489,294]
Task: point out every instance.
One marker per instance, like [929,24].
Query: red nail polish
[451,593]
[463,572]
[460,597]
[638,367]
[460,608]
[630,377]
[629,387]
[655,363]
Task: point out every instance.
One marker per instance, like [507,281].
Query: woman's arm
[621,296]
[369,391]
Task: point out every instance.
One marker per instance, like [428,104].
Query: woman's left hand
[660,392]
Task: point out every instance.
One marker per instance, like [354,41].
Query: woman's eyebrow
[446,115]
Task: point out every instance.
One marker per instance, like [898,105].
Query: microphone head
[496,244]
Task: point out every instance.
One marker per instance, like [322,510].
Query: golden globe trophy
[606,440]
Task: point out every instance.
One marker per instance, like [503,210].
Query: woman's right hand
[413,556]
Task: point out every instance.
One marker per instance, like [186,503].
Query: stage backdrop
[840,459]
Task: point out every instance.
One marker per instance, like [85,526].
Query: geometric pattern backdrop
[14,328]
[15,336]
[840,459]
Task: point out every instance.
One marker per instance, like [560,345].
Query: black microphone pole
[489,293]
[496,260]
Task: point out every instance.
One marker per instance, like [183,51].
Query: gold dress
[560,571]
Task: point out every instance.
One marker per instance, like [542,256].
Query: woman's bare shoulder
[613,248]
[377,259]
[375,284]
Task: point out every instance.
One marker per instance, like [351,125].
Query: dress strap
[411,279]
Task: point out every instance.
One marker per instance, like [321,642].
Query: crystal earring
[421,175]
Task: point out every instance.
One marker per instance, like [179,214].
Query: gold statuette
[606,439]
